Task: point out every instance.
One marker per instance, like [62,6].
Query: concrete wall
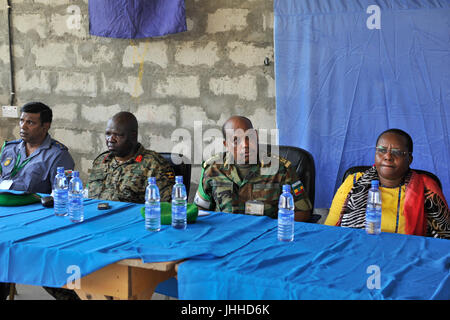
[206,74]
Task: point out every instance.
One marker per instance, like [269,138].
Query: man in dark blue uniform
[29,164]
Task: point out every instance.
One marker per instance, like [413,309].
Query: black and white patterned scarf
[353,212]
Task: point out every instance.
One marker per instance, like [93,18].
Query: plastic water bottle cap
[60,170]
[151,180]
[179,179]
[375,183]
[75,174]
[286,188]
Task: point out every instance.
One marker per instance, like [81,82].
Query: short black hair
[45,113]
[409,142]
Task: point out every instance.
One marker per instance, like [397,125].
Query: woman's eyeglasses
[394,152]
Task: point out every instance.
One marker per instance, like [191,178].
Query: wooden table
[129,279]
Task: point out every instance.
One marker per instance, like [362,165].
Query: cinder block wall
[214,70]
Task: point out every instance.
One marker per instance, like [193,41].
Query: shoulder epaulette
[13,142]
[100,155]
[59,145]
[211,160]
[286,163]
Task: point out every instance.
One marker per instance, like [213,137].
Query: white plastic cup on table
[286,215]
[179,204]
[60,193]
[373,209]
[76,210]
[152,206]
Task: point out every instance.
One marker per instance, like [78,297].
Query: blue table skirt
[37,247]
[323,262]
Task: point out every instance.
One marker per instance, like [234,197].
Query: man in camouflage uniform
[121,173]
[228,181]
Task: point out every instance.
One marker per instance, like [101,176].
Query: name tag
[6,184]
[254,207]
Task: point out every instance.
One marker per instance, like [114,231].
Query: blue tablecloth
[36,247]
[324,262]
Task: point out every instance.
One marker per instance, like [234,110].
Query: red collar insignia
[138,158]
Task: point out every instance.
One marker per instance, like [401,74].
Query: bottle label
[76,201]
[60,193]
[153,211]
[372,214]
[285,216]
[179,212]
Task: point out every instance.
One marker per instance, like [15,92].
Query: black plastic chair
[182,169]
[356,169]
[304,165]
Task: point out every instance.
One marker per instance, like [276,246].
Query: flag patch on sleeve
[298,188]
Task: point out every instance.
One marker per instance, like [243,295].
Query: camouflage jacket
[221,188]
[127,181]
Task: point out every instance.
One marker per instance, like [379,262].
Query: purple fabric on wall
[136,18]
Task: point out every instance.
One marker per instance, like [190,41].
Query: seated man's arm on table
[64,160]
[44,166]
[97,177]
[203,198]
[302,211]
[303,207]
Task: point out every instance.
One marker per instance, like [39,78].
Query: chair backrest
[182,169]
[355,169]
[303,163]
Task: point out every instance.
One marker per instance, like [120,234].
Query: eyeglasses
[397,153]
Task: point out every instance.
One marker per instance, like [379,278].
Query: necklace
[393,187]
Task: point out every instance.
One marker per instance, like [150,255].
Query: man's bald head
[127,121]
[236,122]
[121,134]
[240,139]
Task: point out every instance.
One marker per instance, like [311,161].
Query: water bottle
[373,209]
[76,211]
[286,215]
[60,192]
[152,206]
[179,204]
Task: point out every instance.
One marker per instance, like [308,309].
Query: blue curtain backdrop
[340,82]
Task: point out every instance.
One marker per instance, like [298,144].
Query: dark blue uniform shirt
[39,173]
